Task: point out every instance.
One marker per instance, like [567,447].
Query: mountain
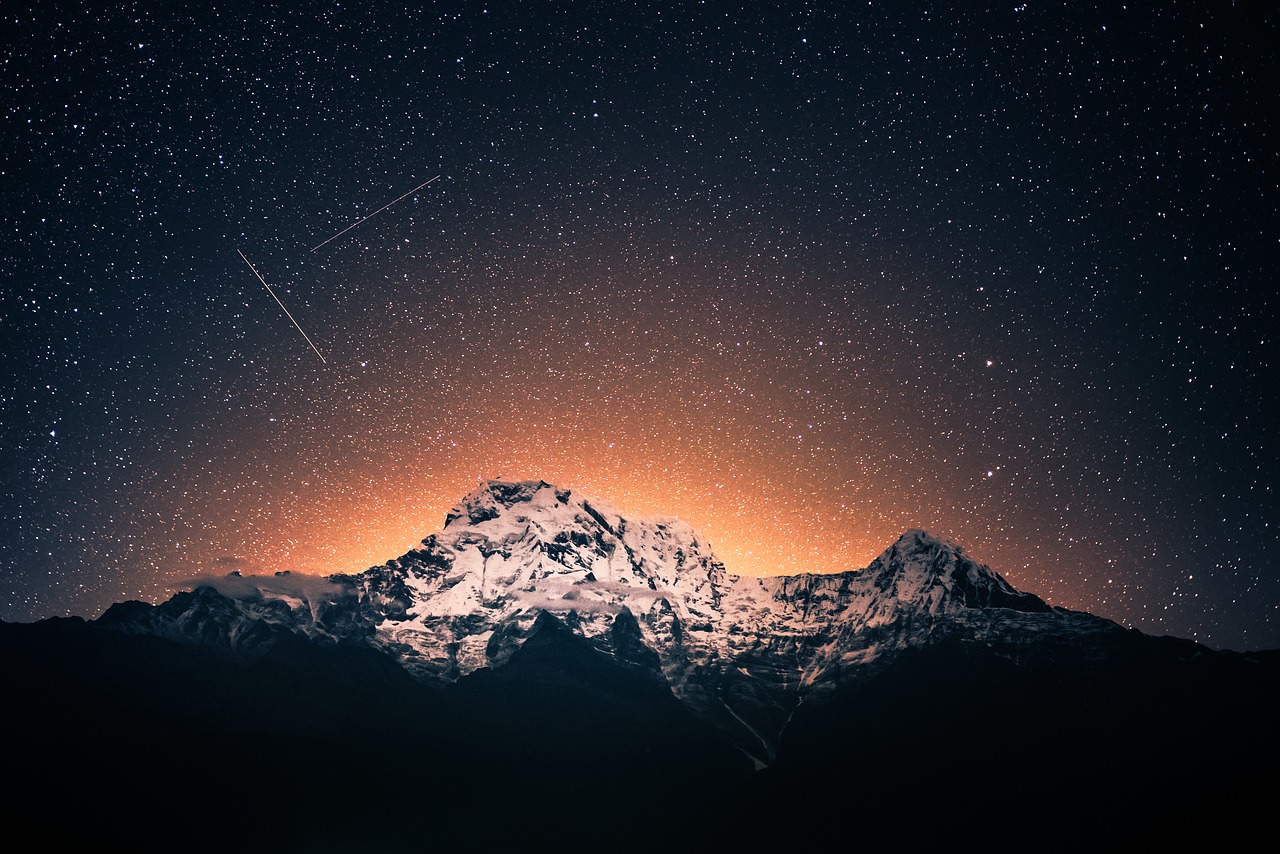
[545,659]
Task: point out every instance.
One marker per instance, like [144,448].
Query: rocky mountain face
[543,653]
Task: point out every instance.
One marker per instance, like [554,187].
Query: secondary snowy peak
[935,576]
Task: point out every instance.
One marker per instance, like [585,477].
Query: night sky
[803,274]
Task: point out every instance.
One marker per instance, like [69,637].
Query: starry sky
[802,274]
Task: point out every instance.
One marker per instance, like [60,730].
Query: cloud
[313,588]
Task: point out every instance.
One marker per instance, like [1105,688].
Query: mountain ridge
[741,651]
[542,643]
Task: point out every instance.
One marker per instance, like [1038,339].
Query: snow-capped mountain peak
[569,534]
[922,569]
[513,555]
[493,498]
[509,550]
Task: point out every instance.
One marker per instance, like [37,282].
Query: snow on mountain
[511,550]
[743,651]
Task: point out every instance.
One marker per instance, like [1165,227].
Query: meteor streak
[277,299]
[375,213]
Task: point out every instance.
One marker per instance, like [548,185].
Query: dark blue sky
[806,275]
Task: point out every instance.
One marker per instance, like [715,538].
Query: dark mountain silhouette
[545,672]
